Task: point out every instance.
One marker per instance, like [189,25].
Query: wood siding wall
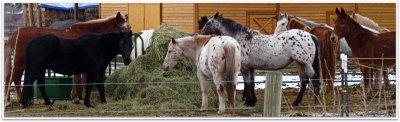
[383,14]
[179,16]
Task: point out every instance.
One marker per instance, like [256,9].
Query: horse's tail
[316,65]
[230,70]
[8,52]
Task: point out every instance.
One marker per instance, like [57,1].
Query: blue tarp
[68,6]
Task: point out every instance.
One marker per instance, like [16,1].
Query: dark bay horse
[89,54]
[329,48]
[366,44]
[18,40]
[270,52]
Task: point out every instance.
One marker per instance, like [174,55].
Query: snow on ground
[293,81]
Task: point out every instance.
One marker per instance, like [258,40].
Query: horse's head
[281,22]
[122,22]
[343,24]
[213,25]
[174,54]
[202,22]
[125,46]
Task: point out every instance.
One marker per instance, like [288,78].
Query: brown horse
[18,40]
[366,44]
[329,50]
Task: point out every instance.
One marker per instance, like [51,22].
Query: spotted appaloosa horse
[329,48]
[216,56]
[18,40]
[366,44]
[270,52]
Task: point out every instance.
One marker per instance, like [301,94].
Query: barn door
[144,16]
[262,21]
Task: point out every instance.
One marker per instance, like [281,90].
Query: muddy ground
[374,107]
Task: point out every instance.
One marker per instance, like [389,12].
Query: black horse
[89,54]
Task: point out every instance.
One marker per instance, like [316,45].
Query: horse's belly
[68,68]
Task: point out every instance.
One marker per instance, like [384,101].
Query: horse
[365,21]
[18,40]
[270,52]
[329,50]
[366,44]
[90,53]
[362,20]
[216,56]
[141,46]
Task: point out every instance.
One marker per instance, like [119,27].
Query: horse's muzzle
[127,62]
[166,68]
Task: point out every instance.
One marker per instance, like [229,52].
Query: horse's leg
[88,90]
[74,91]
[27,91]
[220,90]
[204,90]
[17,71]
[386,79]
[84,79]
[42,88]
[367,77]
[231,90]
[303,81]
[7,71]
[253,99]
[99,79]
[246,72]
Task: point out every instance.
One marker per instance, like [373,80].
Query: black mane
[234,27]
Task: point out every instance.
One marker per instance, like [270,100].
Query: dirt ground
[374,107]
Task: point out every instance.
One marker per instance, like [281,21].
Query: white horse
[141,46]
[270,52]
[217,57]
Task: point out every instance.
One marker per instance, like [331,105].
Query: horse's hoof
[50,107]
[24,105]
[221,111]
[203,109]
[250,103]
[76,102]
[103,102]
[6,104]
[89,106]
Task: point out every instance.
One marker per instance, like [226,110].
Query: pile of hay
[150,87]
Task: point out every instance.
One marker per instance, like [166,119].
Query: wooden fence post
[273,94]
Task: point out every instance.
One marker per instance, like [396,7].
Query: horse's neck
[358,36]
[191,50]
[109,43]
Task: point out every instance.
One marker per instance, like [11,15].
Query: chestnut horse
[366,44]
[329,50]
[18,40]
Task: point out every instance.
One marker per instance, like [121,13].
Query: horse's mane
[310,24]
[234,27]
[301,24]
[201,40]
[99,22]
[365,21]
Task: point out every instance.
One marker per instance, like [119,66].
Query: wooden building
[185,17]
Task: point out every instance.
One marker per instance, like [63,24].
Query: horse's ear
[216,14]
[119,17]
[343,12]
[286,15]
[130,33]
[173,41]
[126,16]
[221,15]
[338,12]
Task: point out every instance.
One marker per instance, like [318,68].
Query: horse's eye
[283,24]
[169,51]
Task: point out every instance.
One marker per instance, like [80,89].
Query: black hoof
[88,105]
[295,104]
[250,103]
[24,105]
[104,102]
